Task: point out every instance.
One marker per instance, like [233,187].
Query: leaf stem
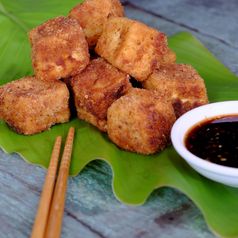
[13,18]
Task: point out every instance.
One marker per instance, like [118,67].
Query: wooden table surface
[91,208]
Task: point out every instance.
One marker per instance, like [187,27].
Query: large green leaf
[134,176]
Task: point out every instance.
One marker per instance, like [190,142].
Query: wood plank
[20,186]
[91,209]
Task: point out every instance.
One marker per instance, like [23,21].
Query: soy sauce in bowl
[215,140]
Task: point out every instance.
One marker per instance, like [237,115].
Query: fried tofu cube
[132,46]
[59,49]
[182,84]
[140,121]
[96,88]
[92,15]
[30,106]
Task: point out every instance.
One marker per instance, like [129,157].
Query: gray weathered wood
[91,209]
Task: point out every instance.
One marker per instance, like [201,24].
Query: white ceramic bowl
[219,173]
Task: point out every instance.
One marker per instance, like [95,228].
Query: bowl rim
[180,129]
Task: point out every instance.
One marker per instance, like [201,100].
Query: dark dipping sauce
[215,140]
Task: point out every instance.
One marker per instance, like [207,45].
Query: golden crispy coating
[92,15]
[168,58]
[31,106]
[59,49]
[182,84]
[132,46]
[96,88]
[140,122]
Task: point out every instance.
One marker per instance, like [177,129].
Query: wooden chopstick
[46,196]
[53,229]
[51,206]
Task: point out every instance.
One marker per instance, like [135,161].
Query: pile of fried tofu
[99,55]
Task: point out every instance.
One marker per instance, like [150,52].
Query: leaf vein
[13,18]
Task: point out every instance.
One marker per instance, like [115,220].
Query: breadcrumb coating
[96,88]
[59,49]
[140,122]
[132,46]
[168,58]
[92,15]
[30,106]
[182,84]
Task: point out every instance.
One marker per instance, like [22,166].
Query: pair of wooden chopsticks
[50,212]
